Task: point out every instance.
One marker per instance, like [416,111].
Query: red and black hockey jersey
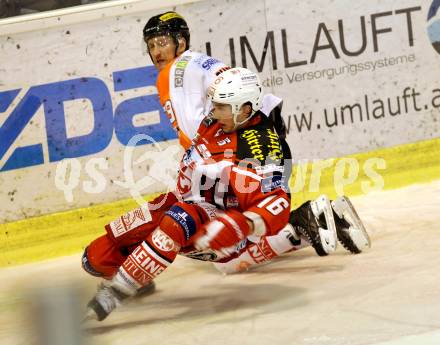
[242,170]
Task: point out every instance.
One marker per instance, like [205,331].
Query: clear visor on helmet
[157,41]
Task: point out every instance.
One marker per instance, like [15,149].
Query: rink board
[76,84]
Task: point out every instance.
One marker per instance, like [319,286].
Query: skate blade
[345,209]
[329,238]
[358,237]
[90,315]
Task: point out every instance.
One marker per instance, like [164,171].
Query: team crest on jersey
[162,241]
[130,221]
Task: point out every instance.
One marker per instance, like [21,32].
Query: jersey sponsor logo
[241,245]
[261,252]
[183,215]
[142,266]
[252,137]
[190,158]
[269,168]
[187,157]
[184,219]
[169,110]
[130,221]
[204,151]
[179,71]
[162,241]
[274,146]
[271,183]
[260,144]
[210,210]
[209,63]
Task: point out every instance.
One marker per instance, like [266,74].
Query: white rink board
[108,44]
[310,87]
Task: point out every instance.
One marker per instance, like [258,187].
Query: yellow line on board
[405,165]
[57,234]
[66,233]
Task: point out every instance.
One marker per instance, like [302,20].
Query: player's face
[223,114]
[162,50]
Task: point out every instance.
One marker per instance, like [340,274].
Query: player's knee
[181,222]
[102,258]
[87,266]
[163,202]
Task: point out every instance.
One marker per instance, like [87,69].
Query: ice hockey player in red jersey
[229,203]
[228,188]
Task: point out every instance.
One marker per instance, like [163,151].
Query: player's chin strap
[235,114]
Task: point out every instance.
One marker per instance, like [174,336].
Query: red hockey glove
[223,233]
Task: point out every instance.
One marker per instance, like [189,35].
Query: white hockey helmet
[237,86]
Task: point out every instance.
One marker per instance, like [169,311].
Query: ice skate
[104,302]
[146,290]
[350,230]
[314,221]
[108,298]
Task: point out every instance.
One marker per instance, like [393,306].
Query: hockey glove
[223,233]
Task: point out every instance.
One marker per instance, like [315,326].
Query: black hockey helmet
[168,23]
